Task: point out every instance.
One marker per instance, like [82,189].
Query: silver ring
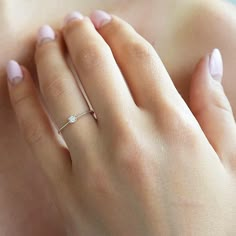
[74,118]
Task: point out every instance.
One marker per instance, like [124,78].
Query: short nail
[45,33]
[73,16]
[14,72]
[216,65]
[100,18]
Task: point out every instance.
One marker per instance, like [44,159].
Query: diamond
[72,119]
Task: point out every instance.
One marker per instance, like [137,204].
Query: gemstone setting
[72,119]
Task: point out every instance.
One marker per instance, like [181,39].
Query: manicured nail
[100,18]
[45,33]
[216,65]
[14,72]
[73,16]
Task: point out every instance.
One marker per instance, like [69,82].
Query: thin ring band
[74,118]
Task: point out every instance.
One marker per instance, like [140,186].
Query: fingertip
[206,90]
[100,18]
[207,76]
[14,72]
[210,66]
[45,34]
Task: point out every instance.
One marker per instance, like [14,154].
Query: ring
[74,118]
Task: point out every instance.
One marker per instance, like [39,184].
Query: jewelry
[74,118]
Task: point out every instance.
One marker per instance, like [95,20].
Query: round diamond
[72,119]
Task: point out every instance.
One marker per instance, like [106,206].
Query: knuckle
[185,131]
[132,164]
[188,135]
[97,181]
[130,157]
[58,85]
[130,153]
[22,99]
[177,121]
[216,101]
[139,49]
[32,131]
[168,108]
[93,55]
[220,100]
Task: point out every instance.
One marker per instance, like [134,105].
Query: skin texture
[26,201]
[146,166]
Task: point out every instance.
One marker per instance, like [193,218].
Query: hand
[143,165]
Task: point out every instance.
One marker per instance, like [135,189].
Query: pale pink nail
[216,65]
[73,16]
[45,33]
[14,72]
[100,18]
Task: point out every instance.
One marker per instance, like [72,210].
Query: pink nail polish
[100,18]
[73,16]
[216,65]
[45,33]
[14,72]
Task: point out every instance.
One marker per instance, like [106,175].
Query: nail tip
[45,32]
[97,11]
[217,52]
[100,18]
[11,63]
[75,15]
[14,70]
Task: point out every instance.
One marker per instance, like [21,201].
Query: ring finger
[62,94]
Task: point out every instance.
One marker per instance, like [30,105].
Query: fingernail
[73,16]
[216,65]
[45,33]
[100,18]
[14,72]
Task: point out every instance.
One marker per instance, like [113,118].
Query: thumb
[211,107]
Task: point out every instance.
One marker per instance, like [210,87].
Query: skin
[31,204]
[130,171]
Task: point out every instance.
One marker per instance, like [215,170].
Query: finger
[97,69]
[35,125]
[211,107]
[143,70]
[61,92]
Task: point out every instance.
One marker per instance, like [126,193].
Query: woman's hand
[142,165]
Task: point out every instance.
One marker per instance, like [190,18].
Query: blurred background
[233,1]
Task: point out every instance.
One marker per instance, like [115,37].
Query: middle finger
[97,69]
